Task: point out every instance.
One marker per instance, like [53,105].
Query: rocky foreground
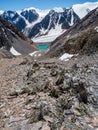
[49,94]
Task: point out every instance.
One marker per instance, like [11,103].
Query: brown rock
[47,118]
[45,127]
[62,128]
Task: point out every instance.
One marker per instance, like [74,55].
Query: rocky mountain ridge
[33,24]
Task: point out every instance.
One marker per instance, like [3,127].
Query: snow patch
[82,9]
[96,28]
[35,54]
[39,54]
[14,52]
[72,19]
[12,15]
[32,54]
[66,57]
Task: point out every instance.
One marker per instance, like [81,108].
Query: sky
[41,4]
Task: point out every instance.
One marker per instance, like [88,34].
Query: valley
[49,68]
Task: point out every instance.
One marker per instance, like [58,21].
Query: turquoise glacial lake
[43,47]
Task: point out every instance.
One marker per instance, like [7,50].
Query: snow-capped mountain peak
[58,9]
[35,22]
[41,13]
[32,16]
[82,9]
[1,12]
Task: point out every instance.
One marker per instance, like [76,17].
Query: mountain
[13,40]
[47,25]
[25,18]
[80,38]
[54,20]
[33,22]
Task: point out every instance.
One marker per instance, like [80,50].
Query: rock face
[82,37]
[30,15]
[10,36]
[12,17]
[49,94]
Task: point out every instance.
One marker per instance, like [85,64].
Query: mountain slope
[80,37]
[5,54]
[10,37]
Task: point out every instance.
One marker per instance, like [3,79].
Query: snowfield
[83,9]
[47,38]
[51,36]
